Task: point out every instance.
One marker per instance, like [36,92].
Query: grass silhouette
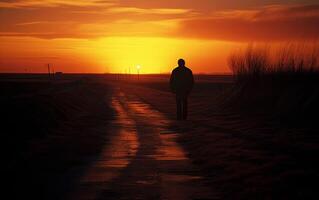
[280,80]
[281,62]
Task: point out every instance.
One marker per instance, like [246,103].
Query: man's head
[181,63]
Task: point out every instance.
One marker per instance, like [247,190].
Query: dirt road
[142,159]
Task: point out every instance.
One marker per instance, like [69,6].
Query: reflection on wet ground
[142,160]
[116,155]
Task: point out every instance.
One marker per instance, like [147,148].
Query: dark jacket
[181,81]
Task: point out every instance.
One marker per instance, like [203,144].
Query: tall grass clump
[289,61]
[279,79]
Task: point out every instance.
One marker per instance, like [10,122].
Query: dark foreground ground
[54,131]
[249,148]
[48,128]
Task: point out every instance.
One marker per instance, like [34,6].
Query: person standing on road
[181,84]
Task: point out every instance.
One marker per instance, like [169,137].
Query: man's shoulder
[188,69]
[176,69]
[182,70]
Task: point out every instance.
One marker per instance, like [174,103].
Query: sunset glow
[116,36]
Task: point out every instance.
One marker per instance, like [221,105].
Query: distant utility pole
[49,70]
[138,72]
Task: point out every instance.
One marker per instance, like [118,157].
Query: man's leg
[185,108]
[178,107]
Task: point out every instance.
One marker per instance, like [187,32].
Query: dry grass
[279,80]
[289,60]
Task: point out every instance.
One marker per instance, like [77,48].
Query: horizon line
[90,73]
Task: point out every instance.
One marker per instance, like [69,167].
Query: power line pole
[49,70]
[138,72]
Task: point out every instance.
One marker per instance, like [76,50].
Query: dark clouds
[231,20]
[268,23]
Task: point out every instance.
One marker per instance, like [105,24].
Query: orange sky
[100,36]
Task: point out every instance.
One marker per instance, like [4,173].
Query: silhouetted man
[181,83]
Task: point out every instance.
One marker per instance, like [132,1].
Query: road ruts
[142,159]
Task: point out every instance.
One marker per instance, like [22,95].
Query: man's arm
[191,81]
[172,82]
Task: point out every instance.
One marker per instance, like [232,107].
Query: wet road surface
[142,159]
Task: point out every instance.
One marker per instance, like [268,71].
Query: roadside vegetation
[280,79]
